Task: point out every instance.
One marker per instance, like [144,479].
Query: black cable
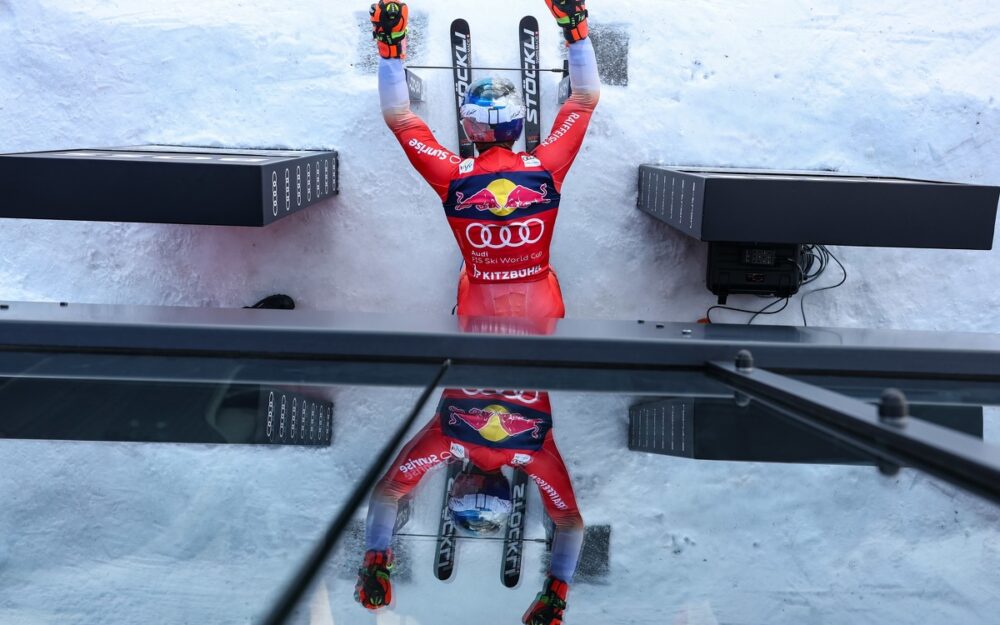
[802,302]
[304,577]
[755,313]
[765,310]
[813,256]
[809,252]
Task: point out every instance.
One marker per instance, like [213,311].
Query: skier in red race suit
[502,209]
[490,429]
[502,205]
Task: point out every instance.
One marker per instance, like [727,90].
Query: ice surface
[201,534]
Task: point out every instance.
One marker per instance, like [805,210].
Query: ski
[444,563]
[461,62]
[530,85]
[513,544]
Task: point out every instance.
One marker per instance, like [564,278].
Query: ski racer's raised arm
[549,473]
[425,451]
[436,164]
[559,150]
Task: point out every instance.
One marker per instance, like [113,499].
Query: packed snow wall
[97,532]
[901,89]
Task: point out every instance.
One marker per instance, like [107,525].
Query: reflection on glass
[154,412]
[491,442]
[186,526]
[783,526]
[965,406]
[709,428]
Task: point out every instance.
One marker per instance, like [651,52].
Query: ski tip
[443,577]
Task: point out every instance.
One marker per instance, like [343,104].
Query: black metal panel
[158,412]
[165,184]
[959,458]
[676,197]
[288,371]
[727,205]
[322,335]
[722,429]
[415,84]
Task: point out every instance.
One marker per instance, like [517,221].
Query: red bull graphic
[502,197]
[495,423]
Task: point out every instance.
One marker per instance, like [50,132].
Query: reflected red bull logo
[502,197]
[495,423]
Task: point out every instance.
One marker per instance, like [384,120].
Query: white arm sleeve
[583,67]
[393,93]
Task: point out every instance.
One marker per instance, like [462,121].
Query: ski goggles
[479,503]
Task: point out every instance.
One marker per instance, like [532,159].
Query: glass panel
[971,407]
[700,506]
[202,521]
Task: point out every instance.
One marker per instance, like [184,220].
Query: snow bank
[904,88]
[100,533]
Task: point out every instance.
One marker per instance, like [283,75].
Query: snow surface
[135,534]
[899,88]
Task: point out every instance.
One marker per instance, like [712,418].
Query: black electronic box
[166,184]
[826,208]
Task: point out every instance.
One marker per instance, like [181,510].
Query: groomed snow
[132,534]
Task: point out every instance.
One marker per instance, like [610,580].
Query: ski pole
[488,69]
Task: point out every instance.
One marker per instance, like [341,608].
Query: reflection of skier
[490,429]
[501,206]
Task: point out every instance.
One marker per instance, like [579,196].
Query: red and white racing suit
[501,206]
[491,429]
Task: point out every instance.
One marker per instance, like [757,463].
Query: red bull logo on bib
[496,423]
[502,197]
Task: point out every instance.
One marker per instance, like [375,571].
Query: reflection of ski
[444,563]
[403,513]
[513,544]
[461,61]
[528,34]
